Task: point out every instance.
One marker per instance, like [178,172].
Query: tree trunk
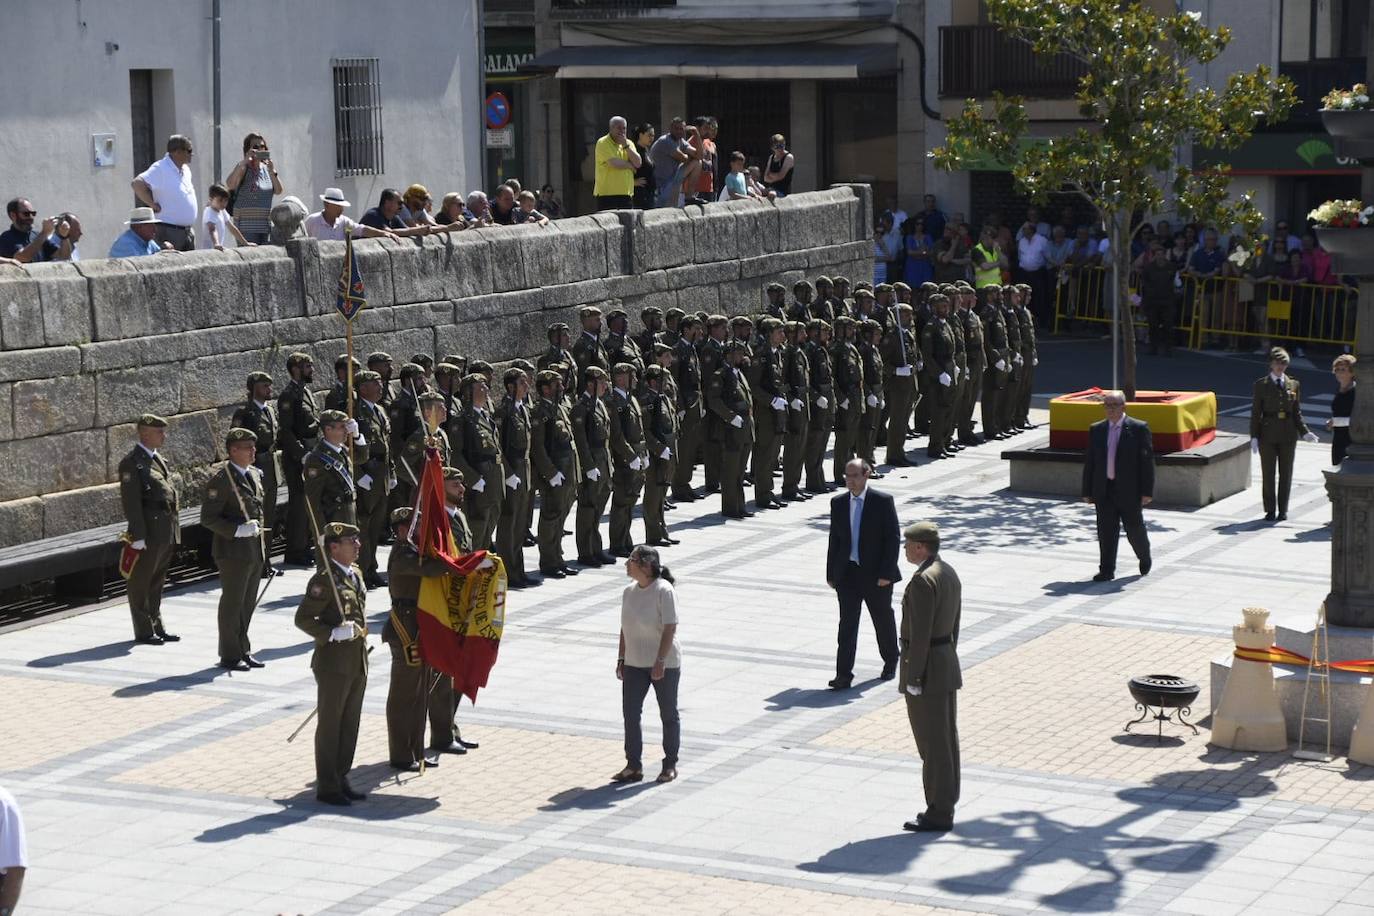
[1121,253]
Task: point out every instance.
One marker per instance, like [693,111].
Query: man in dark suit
[1119,479]
[861,565]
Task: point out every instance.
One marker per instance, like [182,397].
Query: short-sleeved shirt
[613,182]
[174,190]
[375,219]
[14,851]
[1204,261]
[644,612]
[736,182]
[706,180]
[317,228]
[13,240]
[661,155]
[129,245]
[508,218]
[221,220]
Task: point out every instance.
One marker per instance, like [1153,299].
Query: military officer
[1030,358]
[1006,401]
[956,391]
[620,346]
[629,456]
[558,354]
[257,414]
[803,293]
[820,372]
[687,378]
[651,317]
[929,676]
[513,422]
[232,511]
[333,613]
[870,334]
[483,368]
[661,442]
[901,363]
[381,363]
[330,492]
[447,378]
[410,463]
[587,349]
[996,359]
[797,380]
[591,424]
[732,404]
[553,454]
[711,353]
[149,500]
[374,474]
[823,306]
[404,416]
[937,351]
[769,391]
[477,454]
[300,427]
[843,304]
[672,326]
[774,305]
[1276,423]
[849,393]
[426,364]
[976,356]
[337,399]
[444,735]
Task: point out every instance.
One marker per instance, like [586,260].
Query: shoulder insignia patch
[312,472]
[126,476]
[316,591]
[212,493]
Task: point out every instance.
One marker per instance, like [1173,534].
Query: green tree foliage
[1141,107]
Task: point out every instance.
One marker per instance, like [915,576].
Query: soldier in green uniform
[629,456]
[672,326]
[661,443]
[797,379]
[374,474]
[410,463]
[447,378]
[996,358]
[337,399]
[732,404]
[937,352]
[976,356]
[149,501]
[901,363]
[558,354]
[870,334]
[257,415]
[553,454]
[770,410]
[300,427]
[821,374]
[929,676]
[620,346]
[444,735]
[1276,424]
[691,416]
[775,305]
[849,393]
[956,391]
[426,364]
[587,349]
[381,363]
[334,614]
[803,294]
[330,492]
[591,424]
[404,415]
[711,354]
[842,302]
[1006,400]
[232,511]
[477,453]
[513,421]
[823,306]
[1030,358]
[651,317]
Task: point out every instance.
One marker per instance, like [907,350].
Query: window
[859,141]
[357,117]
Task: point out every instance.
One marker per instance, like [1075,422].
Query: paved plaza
[153,782]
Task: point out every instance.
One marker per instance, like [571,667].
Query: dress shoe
[519,583]
[711,488]
[971,440]
[412,766]
[470,745]
[1281,517]
[669,506]
[1145,566]
[735,515]
[935,456]
[374,580]
[163,635]
[455,748]
[1268,516]
[552,573]
[629,774]
[253,662]
[875,476]
[922,825]
[840,683]
[568,570]
[593,562]
[153,640]
[337,799]
[768,504]
[607,558]
[236,664]
[956,447]
[664,542]
[1103,577]
[948,453]
[353,794]
[889,672]
[898,462]
[270,571]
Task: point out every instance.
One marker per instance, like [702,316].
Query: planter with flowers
[1348,113]
[1343,227]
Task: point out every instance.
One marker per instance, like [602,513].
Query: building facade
[348,93]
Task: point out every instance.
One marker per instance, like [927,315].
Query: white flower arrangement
[1342,214]
[1356,98]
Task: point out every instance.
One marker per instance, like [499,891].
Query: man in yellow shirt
[616,161]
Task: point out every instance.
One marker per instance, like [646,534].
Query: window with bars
[357,117]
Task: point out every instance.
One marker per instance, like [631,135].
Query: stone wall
[87,347]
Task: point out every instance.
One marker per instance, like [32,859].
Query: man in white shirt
[1032,261]
[329,224]
[167,187]
[14,855]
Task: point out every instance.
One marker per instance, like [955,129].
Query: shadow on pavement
[303,806]
[93,654]
[1311,535]
[172,683]
[597,798]
[804,698]
[1088,586]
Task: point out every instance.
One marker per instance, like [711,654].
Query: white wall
[62,86]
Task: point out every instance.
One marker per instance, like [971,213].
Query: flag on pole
[462,613]
[352,298]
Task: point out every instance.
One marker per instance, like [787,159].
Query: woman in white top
[649,656]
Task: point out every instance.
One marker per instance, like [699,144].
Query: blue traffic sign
[498,111]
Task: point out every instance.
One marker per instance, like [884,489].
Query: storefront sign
[1279,154]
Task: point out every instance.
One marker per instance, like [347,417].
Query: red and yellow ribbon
[1277,655]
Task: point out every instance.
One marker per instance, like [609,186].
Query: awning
[775,62]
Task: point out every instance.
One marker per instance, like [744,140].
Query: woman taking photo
[649,656]
[253,182]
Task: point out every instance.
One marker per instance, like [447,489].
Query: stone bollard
[1362,736]
[1248,718]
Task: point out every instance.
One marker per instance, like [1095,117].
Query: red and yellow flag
[462,613]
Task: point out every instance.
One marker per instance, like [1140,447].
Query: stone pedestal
[1248,716]
[1362,737]
[1351,489]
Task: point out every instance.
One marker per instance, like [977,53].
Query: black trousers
[854,589]
[1112,513]
[614,202]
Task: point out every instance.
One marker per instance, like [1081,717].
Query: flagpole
[348,336]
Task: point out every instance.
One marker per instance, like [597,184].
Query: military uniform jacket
[1013,325]
[645,340]
[404,570]
[263,423]
[995,344]
[552,447]
[404,414]
[797,377]
[410,461]
[973,339]
[1027,327]
[627,429]
[937,348]
[660,425]
[929,634]
[337,399]
[873,370]
[375,457]
[687,376]
[728,396]
[591,424]
[565,359]
[899,349]
[478,453]
[622,349]
[148,498]
[799,311]
[515,438]
[300,422]
[766,379]
[824,309]
[232,498]
[588,351]
[711,355]
[821,375]
[956,325]
[1276,411]
[325,607]
[329,485]
[849,373]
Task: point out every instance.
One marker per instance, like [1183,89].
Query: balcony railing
[977,60]
[606,9]
[1314,79]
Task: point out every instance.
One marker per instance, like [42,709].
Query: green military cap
[343,359]
[675,312]
[239,434]
[367,375]
[775,288]
[594,372]
[818,324]
[298,359]
[452,474]
[328,417]
[899,287]
[715,321]
[558,327]
[616,313]
[863,284]
[650,310]
[423,359]
[843,321]
[472,378]
[736,346]
[380,356]
[446,368]
[661,347]
[547,376]
[402,514]
[933,299]
[823,280]
[523,364]
[863,292]
[949,289]
[409,370]
[839,280]
[339,531]
[870,324]
[795,327]
[741,320]
[480,367]
[587,311]
[769,324]
[923,533]
[152,420]
[803,284]
[654,371]
[964,286]
[701,313]
[259,378]
[1279,354]
[688,321]
[455,359]
[929,286]
[883,288]
[512,375]
[622,369]
[428,398]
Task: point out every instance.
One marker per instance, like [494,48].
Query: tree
[1141,107]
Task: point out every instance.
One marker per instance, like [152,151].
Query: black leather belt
[941,641]
[404,604]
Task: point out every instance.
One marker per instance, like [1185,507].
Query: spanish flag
[462,614]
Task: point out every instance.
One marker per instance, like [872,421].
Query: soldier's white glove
[737,421]
[352,426]
[797,404]
[945,379]
[871,400]
[1035,360]
[342,634]
[480,486]
[139,544]
[666,453]
[822,402]
[1309,437]
[365,482]
[360,440]
[882,403]
[913,690]
[902,371]
[249,529]
[594,475]
[487,563]
[681,414]
[844,405]
[512,482]
[1017,359]
[1000,365]
[920,365]
[391,481]
[779,404]
[1254,446]
[556,480]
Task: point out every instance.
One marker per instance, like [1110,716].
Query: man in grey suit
[929,676]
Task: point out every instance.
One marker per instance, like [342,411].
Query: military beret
[615,313]
[472,378]
[411,369]
[688,320]
[428,398]
[883,288]
[522,364]
[367,375]
[803,284]
[558,327]
[929,285]
[329,417]
[923,533]
[863,284]
[152,420]
[870,324]
[775,288]
[676,312]
[769,324]
[1023,287]
[338,531]
[840,280]
[342,360]
[1279,354]
[650,310]
[381,356]
[964,286]
[715,321]
[452,474]
[949,289]
[818,324]
[455,359]
[587,311]
[906,306]
[863,292]
[701,313]
[402,514]
[547,377]
[736,346]
[259,378]
[423,359]
[740,320]
[900,287]
[445,369]
[512,375]
[934,299]
[823,279]
[594,372]
[239,434]
[654,371]
[795,326]
[480,366]
[298,359]
[621,369]
[660,347]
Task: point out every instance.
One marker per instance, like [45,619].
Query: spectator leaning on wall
[168,188]
[616,162]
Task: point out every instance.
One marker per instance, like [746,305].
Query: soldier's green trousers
[591,502]
[794,454]
[554,505]
[732,480]
[145,588]
[626,486]
[656,482]
[934,725]
[405,709]
[239,581]
[941,418]
[847,435]
[372,523]
[901,395]
[817,438]
[968,398]
[689,436]
[340,704]
[510,529]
